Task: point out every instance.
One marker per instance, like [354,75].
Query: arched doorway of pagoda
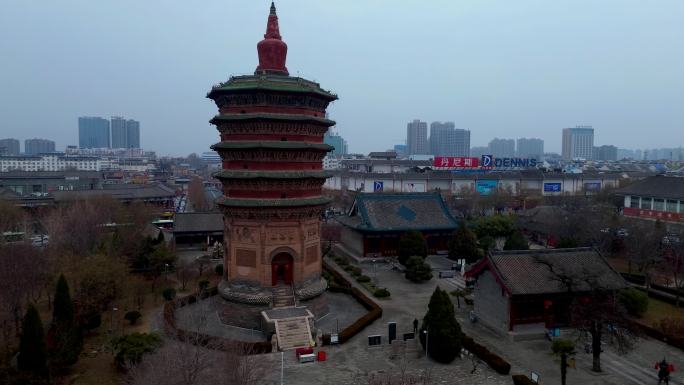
[282,266]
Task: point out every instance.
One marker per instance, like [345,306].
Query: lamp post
[427,341]
[375,274]
[111,320]
[166,273]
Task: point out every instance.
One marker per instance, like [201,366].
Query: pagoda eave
[230,174]
[273,203]
[272,117]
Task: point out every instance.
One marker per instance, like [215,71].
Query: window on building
[671,206]
[634,202]
[659,205]
[646,203]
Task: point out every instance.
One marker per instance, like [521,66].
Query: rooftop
[550,271]
[399,212]
[198,223]
[667,187]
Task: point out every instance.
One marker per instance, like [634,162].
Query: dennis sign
[489,162]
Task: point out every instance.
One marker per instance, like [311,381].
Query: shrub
[516,241]
[356,271]
[129,349]
[635,301]
[381,293]
[132,316]
[203,284]
[32,356]
[342,261]
[443,337]
[169,293]
[412,243]
[363,278]
[486,243]
[521,379]
[219,270]
[417,270]
[90,321]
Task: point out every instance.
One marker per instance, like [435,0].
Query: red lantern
[585,300]
[547,303]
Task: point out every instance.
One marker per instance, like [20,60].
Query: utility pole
[282,367]
[427,341]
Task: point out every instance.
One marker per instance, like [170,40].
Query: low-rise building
[656,197]
[376,222]
[50,162]
[521,292]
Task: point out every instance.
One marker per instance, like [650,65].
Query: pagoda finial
[272,50]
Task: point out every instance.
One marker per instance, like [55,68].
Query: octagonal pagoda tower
[271,127]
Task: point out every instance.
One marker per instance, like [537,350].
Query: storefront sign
[455,162]
[485,187]
[552,187]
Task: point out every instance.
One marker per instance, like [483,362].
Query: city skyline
[531,95]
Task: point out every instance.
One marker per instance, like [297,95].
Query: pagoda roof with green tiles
[291,202]
[271,145]
[267,116]
[270,82]
[231,174]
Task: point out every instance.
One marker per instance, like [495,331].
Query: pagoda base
[252,294]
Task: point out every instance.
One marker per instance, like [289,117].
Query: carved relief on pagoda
[271,127]
[272,155]
[311,232]
[245,235]
[270,213]
[281,236]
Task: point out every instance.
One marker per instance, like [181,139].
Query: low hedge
[363,278]
[381,293]
[344,286]
[497,363]
[521,379]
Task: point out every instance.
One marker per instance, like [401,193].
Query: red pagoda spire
[272,50]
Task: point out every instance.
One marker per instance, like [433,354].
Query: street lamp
[375,274]
[111,320]
[166,272]
[427,340]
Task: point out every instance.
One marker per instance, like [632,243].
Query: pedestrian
[415,326]
[664,369]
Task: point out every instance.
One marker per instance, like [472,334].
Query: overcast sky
[500,68]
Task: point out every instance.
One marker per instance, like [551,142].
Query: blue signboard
[592,186]
[378,186]
[485,187]
[487,161]
[552,187]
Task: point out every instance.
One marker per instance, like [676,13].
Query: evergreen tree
[32,350]
[63,309]
[463,244]
[516,241]
[412,243]
[65,339]
[417,270]
[444,336]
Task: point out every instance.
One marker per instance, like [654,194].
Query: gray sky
[500,68]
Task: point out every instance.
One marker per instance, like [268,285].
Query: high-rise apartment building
[132,133]
[605,153]
[93,132]
[532,148]
[447,140]
[125,133]
[38,146]
[416,138]
[9,146]
[502,148]
[578,142]
[335,140]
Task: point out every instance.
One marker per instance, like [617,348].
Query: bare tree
[594,310]
[196,194]
[672,264]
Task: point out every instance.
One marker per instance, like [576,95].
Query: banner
[552,187]
[456,162]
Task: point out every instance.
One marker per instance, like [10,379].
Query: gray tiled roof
[198,223]
[399,212]
[670,187]
[122,192]
[530,271]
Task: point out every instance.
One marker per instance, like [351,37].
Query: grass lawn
[658,310]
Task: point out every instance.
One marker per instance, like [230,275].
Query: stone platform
[257,295]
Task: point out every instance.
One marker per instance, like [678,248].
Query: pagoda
[271,127]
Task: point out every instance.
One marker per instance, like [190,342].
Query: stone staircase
[283,296]
[293,333]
